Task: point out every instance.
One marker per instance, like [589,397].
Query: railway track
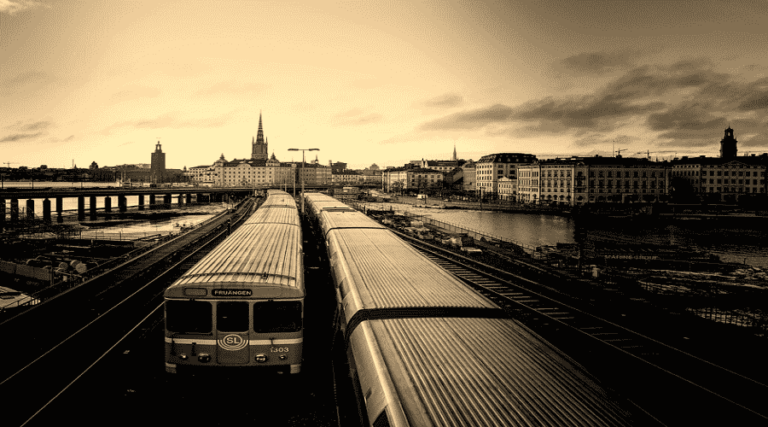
[56,343]
[672,385]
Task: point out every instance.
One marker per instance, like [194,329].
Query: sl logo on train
[233,342]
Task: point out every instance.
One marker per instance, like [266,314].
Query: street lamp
[302,171]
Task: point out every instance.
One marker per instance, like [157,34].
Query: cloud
[356,117]
[136,92]
[232,88]
[170,120]
[20,137]
[26,130]
[30,126]
[23,81]
[597,62]
[36,126]
[444,101]
[13,7]
[755,102]
[686,104]
[472,119]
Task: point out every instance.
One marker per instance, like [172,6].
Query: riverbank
[498,206]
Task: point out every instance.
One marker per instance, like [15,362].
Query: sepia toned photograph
[343,213]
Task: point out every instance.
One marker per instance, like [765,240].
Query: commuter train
[424,349]
[242,305]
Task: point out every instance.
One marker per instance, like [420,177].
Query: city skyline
[380,83]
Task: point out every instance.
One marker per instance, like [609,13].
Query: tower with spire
[454,152]
[728,148]
[259,145]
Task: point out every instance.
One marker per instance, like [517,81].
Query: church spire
[259,147]
[454,152]
[260,134]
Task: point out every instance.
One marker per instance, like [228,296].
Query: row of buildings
[580,180]
[512,176]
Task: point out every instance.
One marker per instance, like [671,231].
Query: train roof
[383,271]
[345,219]
[266,258]
[275,214]
[478,372]
[318,197]
[279,199]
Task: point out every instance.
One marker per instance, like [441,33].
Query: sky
[382,82]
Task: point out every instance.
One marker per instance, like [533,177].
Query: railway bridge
[150,198]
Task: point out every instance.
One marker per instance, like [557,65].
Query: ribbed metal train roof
[275,214]
[388,273]
[347,219]
[279,199]
[318,197]
[319,205]
[488,372]
[268,254]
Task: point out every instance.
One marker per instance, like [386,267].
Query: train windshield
[273,316]
[188,316]
[232,316]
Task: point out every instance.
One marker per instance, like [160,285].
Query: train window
[188,316]
[232,316]
[274,316]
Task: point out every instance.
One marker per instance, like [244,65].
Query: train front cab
[234,333]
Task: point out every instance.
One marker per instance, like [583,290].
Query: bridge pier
[81,208]
[189,198]
[141,202]
[30,209]
[47,211]
[122,203]
[2,212]
[92,208]
[167,201]
[59,209]
[107,207]
[151,201]
[14,210]
[181,200]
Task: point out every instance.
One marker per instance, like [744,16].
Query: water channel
[730,242]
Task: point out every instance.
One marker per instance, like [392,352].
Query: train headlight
[204,357]
[283,357]
[261,358]
[183,356]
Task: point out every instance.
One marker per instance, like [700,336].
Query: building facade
[722,179]
[583,180]
[412,179]
[492,167]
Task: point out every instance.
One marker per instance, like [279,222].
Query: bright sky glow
[377,82]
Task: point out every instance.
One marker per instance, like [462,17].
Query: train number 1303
[278,350]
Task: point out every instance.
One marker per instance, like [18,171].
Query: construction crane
[10,163]
[620,150]
[647,153]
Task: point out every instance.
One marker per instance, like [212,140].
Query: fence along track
[574,326]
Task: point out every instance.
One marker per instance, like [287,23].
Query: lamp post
[302,171]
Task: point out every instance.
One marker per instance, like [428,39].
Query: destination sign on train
[232,292]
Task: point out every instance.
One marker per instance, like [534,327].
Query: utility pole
[302,173]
